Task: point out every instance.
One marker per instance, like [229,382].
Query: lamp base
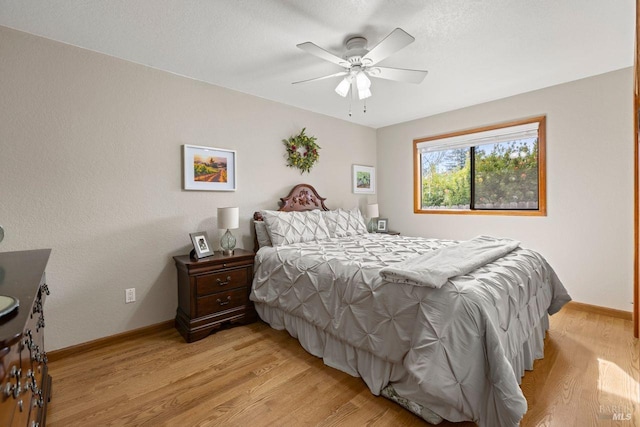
[227,243]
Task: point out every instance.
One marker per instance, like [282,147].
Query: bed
[456,352]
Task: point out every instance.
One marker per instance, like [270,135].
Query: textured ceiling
[475,50]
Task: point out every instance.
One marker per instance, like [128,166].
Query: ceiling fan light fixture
[343,87]
[364,94]
[362,81]
[359,64]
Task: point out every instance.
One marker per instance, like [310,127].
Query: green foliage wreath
[302,151]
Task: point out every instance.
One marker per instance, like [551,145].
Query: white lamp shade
[228,218]
[372,211]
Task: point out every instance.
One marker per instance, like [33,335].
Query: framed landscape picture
[364,179]
[209,169]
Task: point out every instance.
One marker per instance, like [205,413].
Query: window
[497,170]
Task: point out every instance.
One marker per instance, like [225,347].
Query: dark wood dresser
[26,385]
[213,291]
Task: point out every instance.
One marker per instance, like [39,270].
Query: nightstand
[213,291]
[392,233]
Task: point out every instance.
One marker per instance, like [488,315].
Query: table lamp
[228,219]
[372,212]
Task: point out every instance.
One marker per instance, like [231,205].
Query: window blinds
[493,136]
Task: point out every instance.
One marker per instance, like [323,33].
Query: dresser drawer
[221,301]
[216,282]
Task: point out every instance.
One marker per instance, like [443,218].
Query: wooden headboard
[302,197]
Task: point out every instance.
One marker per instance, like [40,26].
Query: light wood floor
[256,376]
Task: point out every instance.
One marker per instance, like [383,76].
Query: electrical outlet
[129,295]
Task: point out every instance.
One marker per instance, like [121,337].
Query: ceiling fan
[359,63]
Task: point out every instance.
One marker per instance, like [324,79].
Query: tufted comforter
[457,342]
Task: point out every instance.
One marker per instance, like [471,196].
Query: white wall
[90,165]
[587,235]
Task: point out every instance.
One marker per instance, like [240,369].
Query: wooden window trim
[542,172]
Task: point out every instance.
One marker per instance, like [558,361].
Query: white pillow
[342,223]
[294,227]
[331,218]
[261,234]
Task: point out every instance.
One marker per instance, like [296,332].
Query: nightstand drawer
[221,301]
[217,282]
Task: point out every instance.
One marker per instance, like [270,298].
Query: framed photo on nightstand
[201,246]
[383,225]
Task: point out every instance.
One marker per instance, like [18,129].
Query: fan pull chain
[365,106]
[349,106]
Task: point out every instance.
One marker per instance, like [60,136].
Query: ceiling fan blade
[390,45]
[341,73]
[398,74]
[316,50]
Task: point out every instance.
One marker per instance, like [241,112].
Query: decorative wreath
[302,151]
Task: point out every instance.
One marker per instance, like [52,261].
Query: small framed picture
[364,179]
[383,225]
[209,169]
[201,246]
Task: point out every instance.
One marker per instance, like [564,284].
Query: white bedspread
[455,341]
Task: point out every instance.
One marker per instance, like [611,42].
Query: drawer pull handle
[221,283]
[228,300]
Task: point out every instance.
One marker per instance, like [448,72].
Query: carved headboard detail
[302,197]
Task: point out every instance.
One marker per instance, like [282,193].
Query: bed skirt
[383,377]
